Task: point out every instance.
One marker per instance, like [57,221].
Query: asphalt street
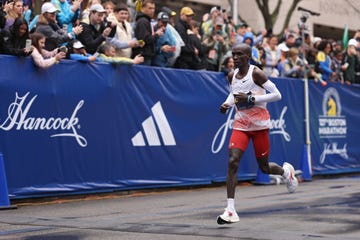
[325,208]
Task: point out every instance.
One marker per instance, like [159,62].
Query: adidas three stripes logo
[152,132]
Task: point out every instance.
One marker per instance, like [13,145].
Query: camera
[63,49]
[304,17]
[108,24]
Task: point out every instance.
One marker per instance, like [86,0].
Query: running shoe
[228,217]
[291,180]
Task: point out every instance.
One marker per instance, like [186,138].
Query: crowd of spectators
[95,30]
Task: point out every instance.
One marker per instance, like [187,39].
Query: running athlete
[250,91]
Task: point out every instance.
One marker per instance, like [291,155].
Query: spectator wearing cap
[240,29]
[207,26]
[316,41]
[96,32]
[144,32]
[27,12]
[67,13]
[165,44]
[255,56]
[124,31]
[48,26]
[172,15]
[218,43]
[85,9]
[170,28]
[288,43]
[187,51]
[284,50]
[351,62]
[78,52]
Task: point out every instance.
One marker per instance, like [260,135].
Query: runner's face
[240,57]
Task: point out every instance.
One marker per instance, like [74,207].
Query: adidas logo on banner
[151,132]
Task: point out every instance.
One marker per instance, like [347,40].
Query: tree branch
[289,14]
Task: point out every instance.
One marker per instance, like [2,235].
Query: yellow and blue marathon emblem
[332,124]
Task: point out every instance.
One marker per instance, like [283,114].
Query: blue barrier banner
[79,127]
[334,132]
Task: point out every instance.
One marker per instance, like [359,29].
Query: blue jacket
[324,65]
[161,59]
[65,16]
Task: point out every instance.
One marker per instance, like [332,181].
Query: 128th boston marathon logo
[332,125]
[278,126]
[19,119]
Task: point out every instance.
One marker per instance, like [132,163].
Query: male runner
[248,91]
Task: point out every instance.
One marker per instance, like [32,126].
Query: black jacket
[187,51]
[92,38]
[10,41]
[143,31]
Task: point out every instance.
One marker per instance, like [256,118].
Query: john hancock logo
[18,118]
[332,125]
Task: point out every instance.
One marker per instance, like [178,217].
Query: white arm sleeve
[272,96]
[230,99]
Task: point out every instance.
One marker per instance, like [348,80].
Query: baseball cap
[240,25]
[97,8]
[78,45]
[168,11]
[283,47]
[213,9]
[162,16]
[219,21]
[352,42]
[187,11]
[48,7]
[316,39]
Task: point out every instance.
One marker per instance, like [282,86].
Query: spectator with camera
[13,40]
[293,65]
[67,14]
[144,31]
[124,31]
[13,10]
[43,58]
[165,44]
[47,25]
[207,26]
[96,32]
[218,43]
[240,30]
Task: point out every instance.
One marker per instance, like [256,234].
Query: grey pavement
[326,208]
